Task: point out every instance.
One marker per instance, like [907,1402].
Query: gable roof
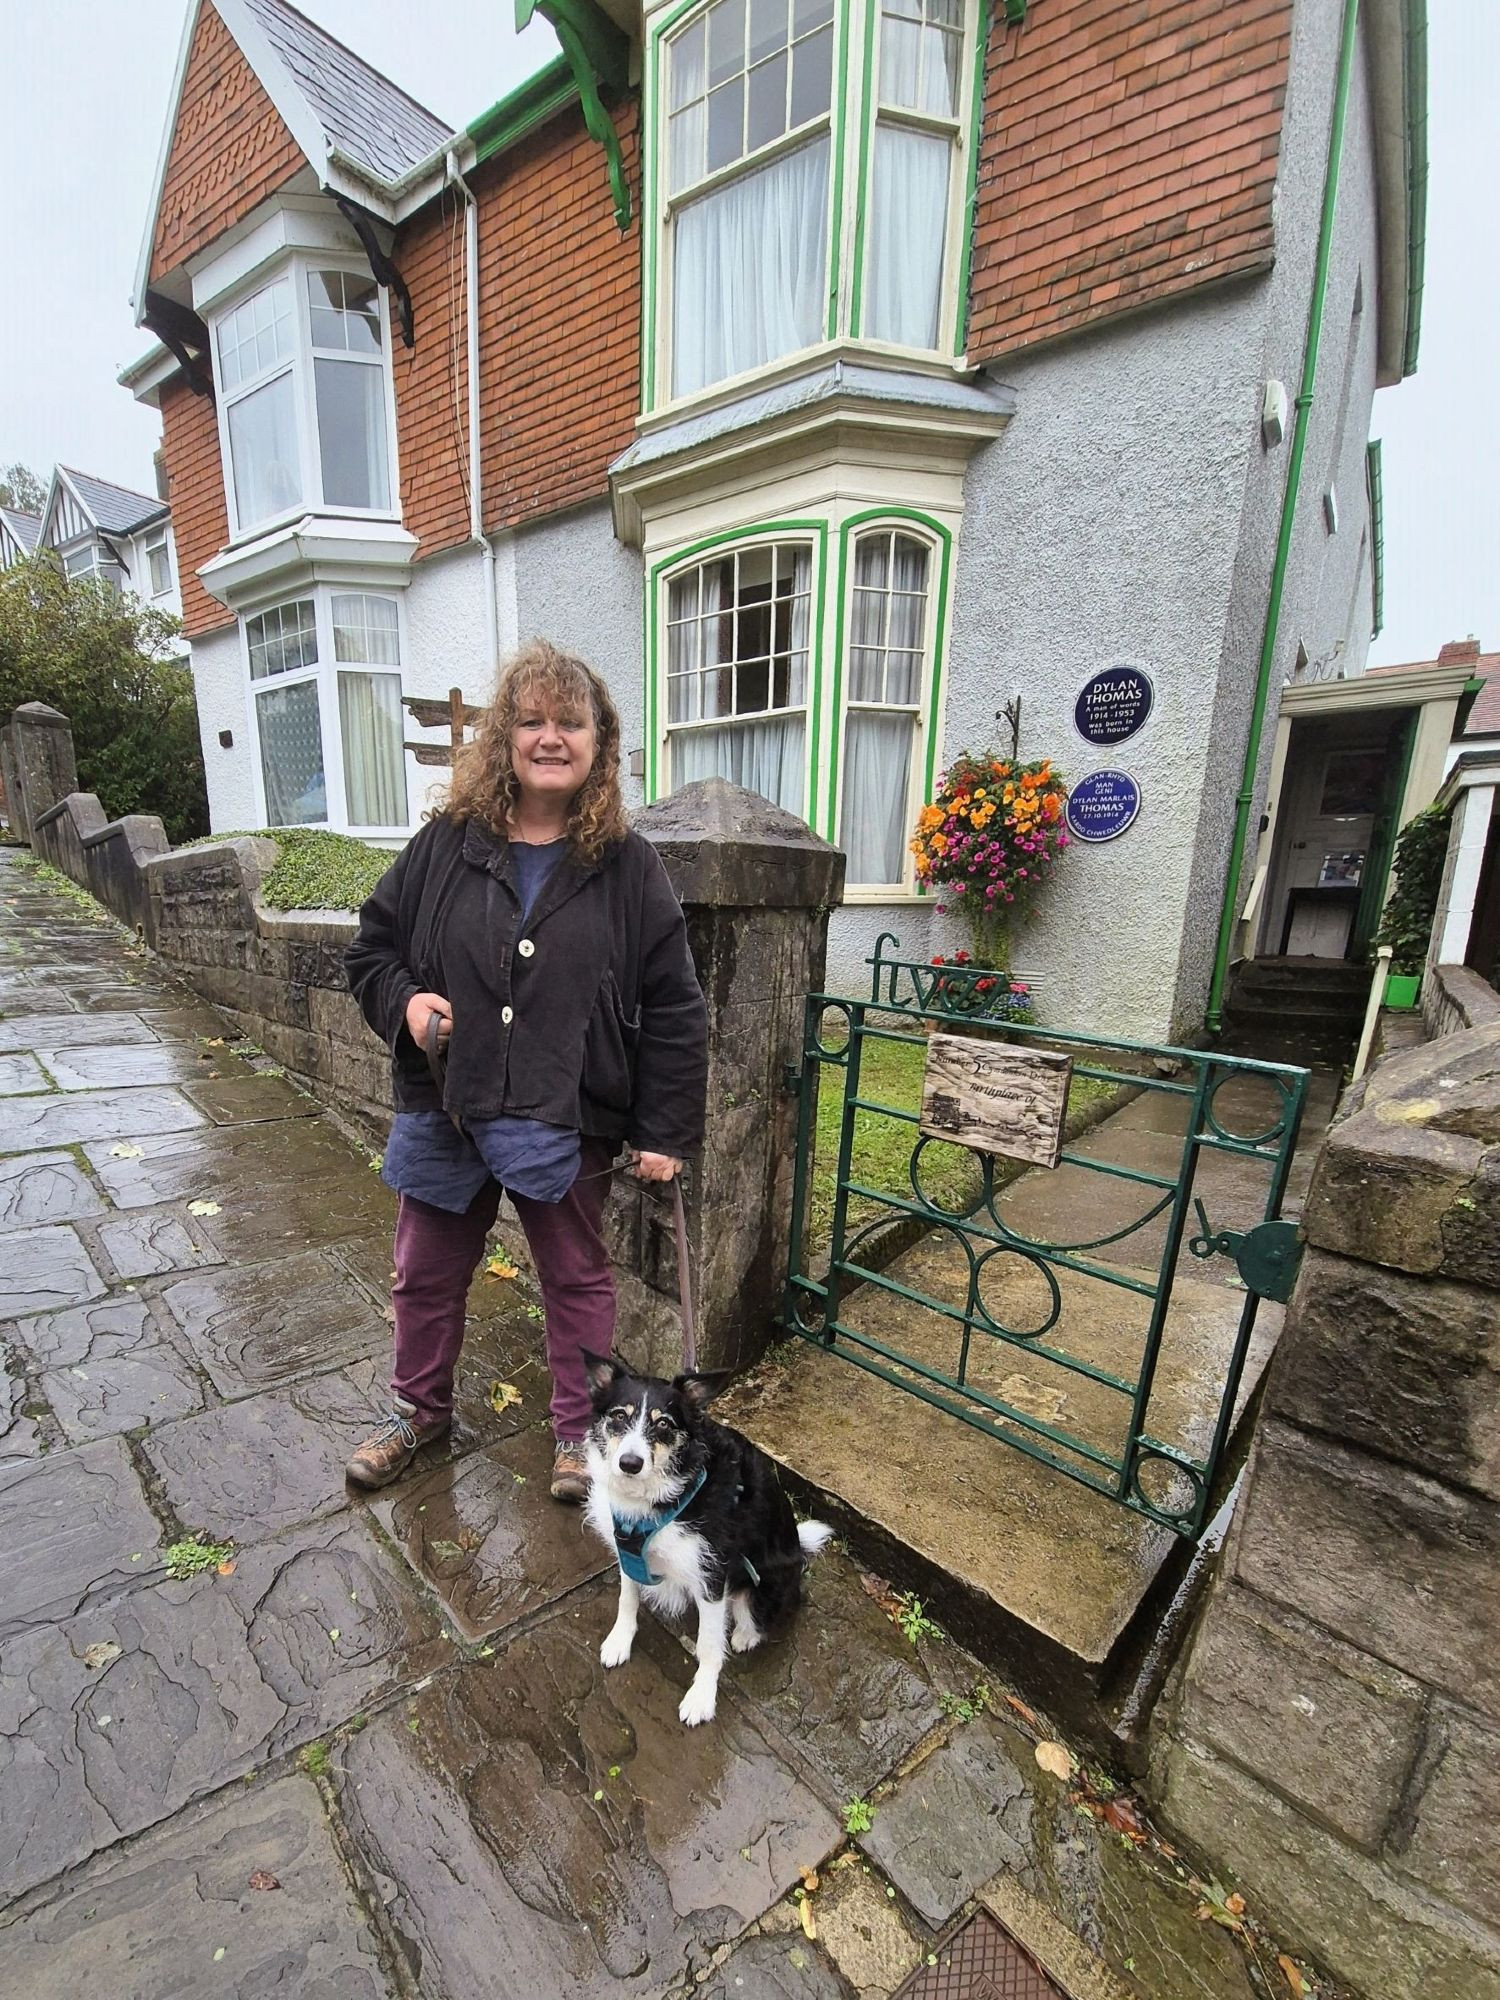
[24,527]
[117,510]
[362,113]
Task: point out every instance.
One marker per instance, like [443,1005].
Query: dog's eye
[663,1428]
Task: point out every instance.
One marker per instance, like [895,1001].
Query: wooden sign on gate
[996,1098]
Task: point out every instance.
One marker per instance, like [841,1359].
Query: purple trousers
[437,1254]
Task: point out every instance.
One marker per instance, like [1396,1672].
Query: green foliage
[1421,853]
[316,870]
[913,1620]
[859,1816]
[22,490]
[104,661]
[194,1555]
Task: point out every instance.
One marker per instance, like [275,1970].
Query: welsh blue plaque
[1103,805]
[1113,704]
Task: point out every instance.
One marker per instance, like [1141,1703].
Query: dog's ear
[601,1371]
[696,1392]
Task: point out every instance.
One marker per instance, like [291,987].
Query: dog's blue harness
[632,1538]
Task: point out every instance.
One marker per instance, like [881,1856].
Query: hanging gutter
[1415,24]
[1229,912]
[1373,481]
[522,109]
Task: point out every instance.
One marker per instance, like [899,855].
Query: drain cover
[982,1962]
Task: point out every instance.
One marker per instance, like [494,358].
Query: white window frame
[325,674]
[295,269]
[853,123]
[159,545]
[101,567]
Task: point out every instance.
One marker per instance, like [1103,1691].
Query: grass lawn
[891,1073]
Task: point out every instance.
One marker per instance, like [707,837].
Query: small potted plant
[962,987]
[1406,925]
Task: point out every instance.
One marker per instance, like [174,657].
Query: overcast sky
[83,98]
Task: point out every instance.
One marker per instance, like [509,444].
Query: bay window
[750,688]
[303,389]
[737,657]
[759,132]
[325,678]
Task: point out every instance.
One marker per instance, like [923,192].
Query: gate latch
[1268,1256]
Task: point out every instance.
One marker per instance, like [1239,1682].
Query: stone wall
[1335,1738]
[1455,997]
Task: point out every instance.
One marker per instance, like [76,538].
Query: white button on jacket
[506,1016]
[526,947]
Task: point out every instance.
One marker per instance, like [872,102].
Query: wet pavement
[371,1751]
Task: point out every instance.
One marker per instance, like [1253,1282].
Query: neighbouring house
[18,535]
[854,381]
[119,537]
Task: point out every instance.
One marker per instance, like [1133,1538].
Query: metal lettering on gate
[1011,1329]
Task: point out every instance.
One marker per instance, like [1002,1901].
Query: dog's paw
[616,1649]
[698,1705]
[745,1638]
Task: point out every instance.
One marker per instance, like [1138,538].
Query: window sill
[307,549]
[862,893]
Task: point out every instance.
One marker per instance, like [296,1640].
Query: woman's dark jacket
[591,1017]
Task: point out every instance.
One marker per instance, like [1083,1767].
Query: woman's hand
[419,1010]
[654,1166]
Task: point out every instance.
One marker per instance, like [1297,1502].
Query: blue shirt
[427,1156]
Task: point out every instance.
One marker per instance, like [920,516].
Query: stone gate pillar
[41,757]
[1336,1742]
[757,887]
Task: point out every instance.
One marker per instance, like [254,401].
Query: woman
[530,937]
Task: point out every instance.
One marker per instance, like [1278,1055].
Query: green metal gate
[1204,1117]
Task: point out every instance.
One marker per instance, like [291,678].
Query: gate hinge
[791,1079]
[1268,1257]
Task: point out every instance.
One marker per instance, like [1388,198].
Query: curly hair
[485,786]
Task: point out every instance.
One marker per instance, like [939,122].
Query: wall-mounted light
[226,739]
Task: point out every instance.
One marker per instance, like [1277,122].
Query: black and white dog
[695,1515]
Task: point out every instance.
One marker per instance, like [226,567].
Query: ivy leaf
[203,1208]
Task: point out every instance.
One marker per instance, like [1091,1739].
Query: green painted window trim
[665,566]
[1374,479]
[943,537]
[653,392]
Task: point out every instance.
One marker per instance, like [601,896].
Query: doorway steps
[1302,1010]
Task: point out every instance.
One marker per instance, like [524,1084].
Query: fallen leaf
[262,1878]
[333,1633]
[227,1568]
[203,1208]
[124,1152]
[1292,1974]
[1235,1905]
[213,1041]
[218,1954]
[889,1600]
[1054,1757]
[797,1957]
[504,1396]
[501,1267]
[1121,1816]
[1026,1714]
[810,1880]
[809,1928]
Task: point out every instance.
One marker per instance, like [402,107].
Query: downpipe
[1245,798]
[476,463]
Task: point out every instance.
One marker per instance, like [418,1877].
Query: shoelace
[395,1425]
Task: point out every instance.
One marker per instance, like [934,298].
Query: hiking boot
[391,1447]
[570,1472]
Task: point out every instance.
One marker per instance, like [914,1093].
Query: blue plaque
[1113,704]
[1103,805]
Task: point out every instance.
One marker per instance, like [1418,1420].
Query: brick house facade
[916,317]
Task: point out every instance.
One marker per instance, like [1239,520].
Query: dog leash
[433,1042]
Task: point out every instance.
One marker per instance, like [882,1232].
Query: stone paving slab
[148,1244]
[93,1334]
[973,1789]
[488,1538]
[35,1030]
[45,1268]
[140,1169]
[212,1678]
[301,1215]
[128,1393]
[129,1064]
[258,1097]
[19,1073]
[149,1922]
[27,1123]
[44,1187]
[20,1435]
[69,1525]
[604,1885]
[776,1968]
[255,1325]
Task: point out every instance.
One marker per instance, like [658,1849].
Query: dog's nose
[631,1461]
